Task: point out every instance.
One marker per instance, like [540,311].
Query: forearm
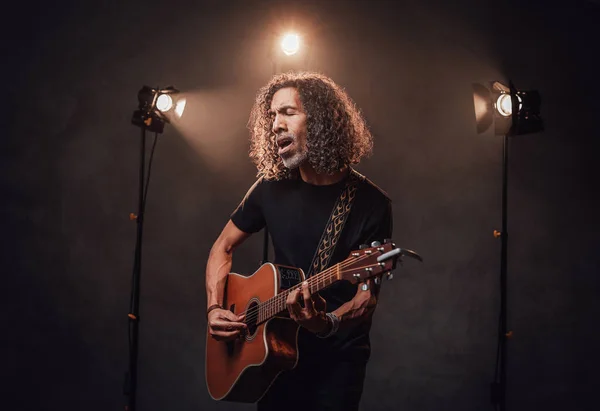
[217,269]
[219,262]
[357,310]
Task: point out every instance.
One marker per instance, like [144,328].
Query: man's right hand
[223,325]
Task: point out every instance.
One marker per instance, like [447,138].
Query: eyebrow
[282,109]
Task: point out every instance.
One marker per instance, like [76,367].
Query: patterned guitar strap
[335,225]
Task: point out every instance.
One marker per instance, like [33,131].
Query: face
[289,127]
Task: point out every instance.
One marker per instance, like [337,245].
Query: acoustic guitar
[243,370]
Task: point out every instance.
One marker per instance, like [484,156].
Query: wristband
[335,324]
[212,307]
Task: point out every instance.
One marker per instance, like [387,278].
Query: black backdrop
[69,181]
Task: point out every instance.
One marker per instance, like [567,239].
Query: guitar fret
[273,306]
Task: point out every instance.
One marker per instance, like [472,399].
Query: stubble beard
[297,157]
[295,160]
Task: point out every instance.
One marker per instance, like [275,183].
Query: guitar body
[244,369]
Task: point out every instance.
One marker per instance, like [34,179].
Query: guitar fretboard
[276,305]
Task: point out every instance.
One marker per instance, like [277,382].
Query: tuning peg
[364,287]
[377,280]
[390,275]
[375,244]
[387,240]
[363,246]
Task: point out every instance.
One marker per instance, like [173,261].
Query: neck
[309,175]
[278,304]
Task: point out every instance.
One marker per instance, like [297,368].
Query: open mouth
[284,144]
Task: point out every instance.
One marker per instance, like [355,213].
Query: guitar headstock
[369,262]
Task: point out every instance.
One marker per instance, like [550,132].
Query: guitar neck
[276,305]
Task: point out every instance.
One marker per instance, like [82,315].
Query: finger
[308,302]
[224,332]
[292,296]
[292,304]
[228,315]
[295,311]
[319,303]
[227,325]
[225,335]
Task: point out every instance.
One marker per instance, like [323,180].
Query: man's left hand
[312,315]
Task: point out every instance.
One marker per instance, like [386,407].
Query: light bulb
[290,44]
[164,102]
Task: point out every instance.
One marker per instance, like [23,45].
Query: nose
[279,124]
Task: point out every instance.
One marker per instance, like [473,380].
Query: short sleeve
[248,216]
[380,225]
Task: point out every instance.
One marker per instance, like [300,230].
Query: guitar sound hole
[251,319]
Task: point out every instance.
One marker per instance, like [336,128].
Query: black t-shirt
[295,213]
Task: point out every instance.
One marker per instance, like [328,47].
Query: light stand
[498,387]
[513,113]
[147,117]
[134,318]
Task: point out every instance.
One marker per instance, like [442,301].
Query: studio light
[504,104]
[155,108]
[290,44]
[290,50]
[512,112]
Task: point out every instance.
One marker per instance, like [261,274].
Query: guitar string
[276,304]
[277,301]
[273,304]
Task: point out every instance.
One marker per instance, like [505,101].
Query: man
[305,134]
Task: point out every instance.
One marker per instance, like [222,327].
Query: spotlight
[504,104]
[290,44]
[164,102]
[154,106]
[513,112]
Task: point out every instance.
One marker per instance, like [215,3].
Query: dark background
[69,166]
